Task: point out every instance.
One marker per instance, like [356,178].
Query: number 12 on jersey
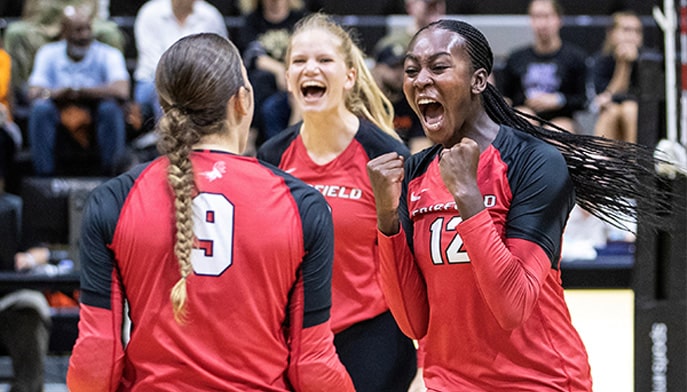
[454,253]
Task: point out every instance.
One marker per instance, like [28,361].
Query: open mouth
[432,113]
[312,90]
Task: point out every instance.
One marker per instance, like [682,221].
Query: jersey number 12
[454,253]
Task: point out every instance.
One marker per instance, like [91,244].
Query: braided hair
[611,177]
[195,79]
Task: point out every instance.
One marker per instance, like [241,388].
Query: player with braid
[215,304]
[470,230]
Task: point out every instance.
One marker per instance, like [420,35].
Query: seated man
[76,82]
[40,24]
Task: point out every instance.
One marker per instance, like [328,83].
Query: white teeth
[425,101]
[312,84]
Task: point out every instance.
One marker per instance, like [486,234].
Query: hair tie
[180,108]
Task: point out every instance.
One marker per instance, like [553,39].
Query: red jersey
[356,293]
[257,310]
[485,293]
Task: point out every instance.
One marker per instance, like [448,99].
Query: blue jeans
[44,119]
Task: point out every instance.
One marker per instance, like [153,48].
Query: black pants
[377,355]
[25,335]
[7,152]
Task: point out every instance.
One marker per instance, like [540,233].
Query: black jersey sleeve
[543,193]
[376,142]
[318,240]
[272,150]
[98,224]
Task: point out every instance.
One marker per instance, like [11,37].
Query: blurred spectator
[356,7]
[388,74]
[24,316]
[615,78]
[227,7]
[77,83]
[547,78]
[25,334]
[39,24]
[423,13]
[262,41]
[160,23]
[388,70]
[10,134]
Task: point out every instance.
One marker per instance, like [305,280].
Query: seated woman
[615,78]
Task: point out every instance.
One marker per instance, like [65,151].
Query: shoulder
[520,150]
[303,194]
[376,142]
[520,53]
[105,48]
[53,47]
[116,189]
[105,202]
[519,58]
[574,51]
[272,150]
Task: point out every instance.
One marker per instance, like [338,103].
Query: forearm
[315,365]
[117,90]
[620,81]
[404,288]
[510,274]
[97,359]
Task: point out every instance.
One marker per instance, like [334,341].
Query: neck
[548,45]
[480,128]
[228,143]
[325,136]
[181,11]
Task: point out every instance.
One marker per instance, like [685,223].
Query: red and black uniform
[257,310]
[485,293]
[367,338]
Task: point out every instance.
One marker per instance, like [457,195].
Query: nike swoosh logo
[416,197]
[291,170]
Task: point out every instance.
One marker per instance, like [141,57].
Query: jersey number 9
[213,226]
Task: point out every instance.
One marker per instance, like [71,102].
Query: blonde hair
[195,79]
[366,99]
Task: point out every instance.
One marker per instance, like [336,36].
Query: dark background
[12,8]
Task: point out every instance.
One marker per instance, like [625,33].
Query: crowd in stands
[67,93]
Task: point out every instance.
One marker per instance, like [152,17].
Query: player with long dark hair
[470,229]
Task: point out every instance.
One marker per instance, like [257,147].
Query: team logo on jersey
[416,196]
[218,170]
